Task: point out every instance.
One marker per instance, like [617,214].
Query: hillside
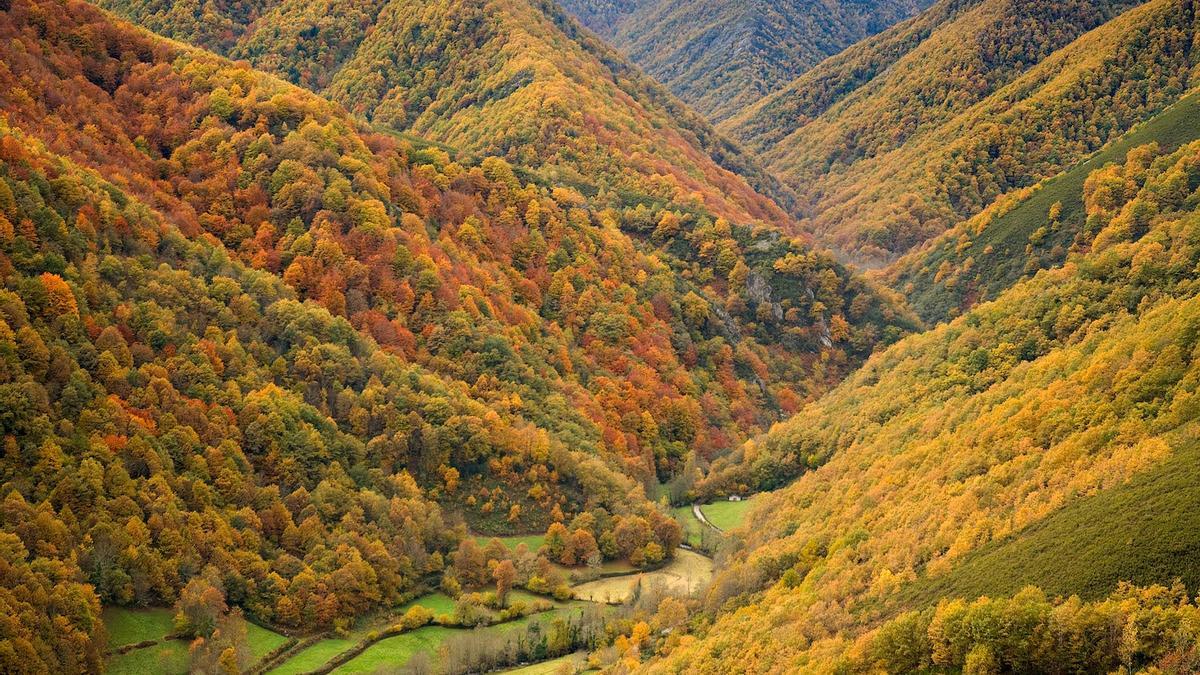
[433,336]
[602,16]
[776,321]
[1141,532]
[246,332]
[1056,402]
[894,141]
[1025,231]
[721,57]
[171,403]
[512,78]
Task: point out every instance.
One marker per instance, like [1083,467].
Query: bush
[415,617]
[467,613]
[538,585]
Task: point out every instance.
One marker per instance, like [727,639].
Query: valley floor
[140,639]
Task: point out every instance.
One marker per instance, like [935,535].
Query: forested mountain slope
[1059,391]
[899,138]
[241,328]
[602,16]
[167,406]
[294,345]
[783,319]
[513,78]
[1028,230]
[721,56]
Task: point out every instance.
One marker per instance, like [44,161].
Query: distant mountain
[513,78]
[603,16]
[721,56]
[898,138]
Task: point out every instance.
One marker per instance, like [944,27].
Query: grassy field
[518,594]
[391,651]
[169,657]
[130,626]
[321,652]
[439,603]
[397,650]
[1146,531]
[317,654]
[262,641]
[687,573]
[725,514]
[533,541]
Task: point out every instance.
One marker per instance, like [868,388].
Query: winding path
[700,516]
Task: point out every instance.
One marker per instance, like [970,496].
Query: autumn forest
[616,336]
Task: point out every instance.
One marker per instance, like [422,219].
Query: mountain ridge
[525,62]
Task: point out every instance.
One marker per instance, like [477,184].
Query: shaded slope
[1146,531]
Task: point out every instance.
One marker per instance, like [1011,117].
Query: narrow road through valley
[700,516]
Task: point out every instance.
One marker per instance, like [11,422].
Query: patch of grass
[169,657]
[316,655]
[725,514]
[533,541]
[517,594]
[691,526]
[129,626]
[262,641]
[321,652]
[611,590]
[439,603]
[1145,531]
[688,572]
[397,650]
